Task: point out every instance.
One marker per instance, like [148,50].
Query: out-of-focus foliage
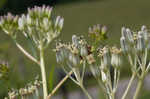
[2,2]
[4,69]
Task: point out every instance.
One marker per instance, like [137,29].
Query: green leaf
[51,78]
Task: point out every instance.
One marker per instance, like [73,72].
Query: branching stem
[27,54]
[128,87]
[139,85]
[59,85]
[85,91]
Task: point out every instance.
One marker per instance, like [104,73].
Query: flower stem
[59,84]
[42,65]
[112,95]
[85,91]
[26,53]
[139,86]
[128,87]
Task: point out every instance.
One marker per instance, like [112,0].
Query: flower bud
[65,52]
[140,43]
[46,24]
[104,29]
[145,32]
[140,33]
[74,59]
[143,28]
[29,21]
[104,77]
[57,21]
[123,32]
[90,59]
[129,35]
[22,22]
[61,23]
[83,51]
[75,40]
[115,60]
[103,67]
[90,30]
[124,45]
[59,57]
[39,89]
[106,57]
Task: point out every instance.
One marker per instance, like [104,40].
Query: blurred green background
[78,15]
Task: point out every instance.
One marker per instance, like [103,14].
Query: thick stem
[139,86]
[85,91]
[42,65]
[128,87]
[112,95]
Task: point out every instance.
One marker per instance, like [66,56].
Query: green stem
[42,65]
[139,86]
[85,91]
[59,84]
[26,53]
[112,95]
[115,80]
[128,87]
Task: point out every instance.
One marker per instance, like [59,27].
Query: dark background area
[19,6]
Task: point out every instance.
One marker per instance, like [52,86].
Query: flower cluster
[72,55]
[37,25]
[131,41]
[31,91]
[9,24]
[98,33]
[79,53]
[110,68]
[135,45]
